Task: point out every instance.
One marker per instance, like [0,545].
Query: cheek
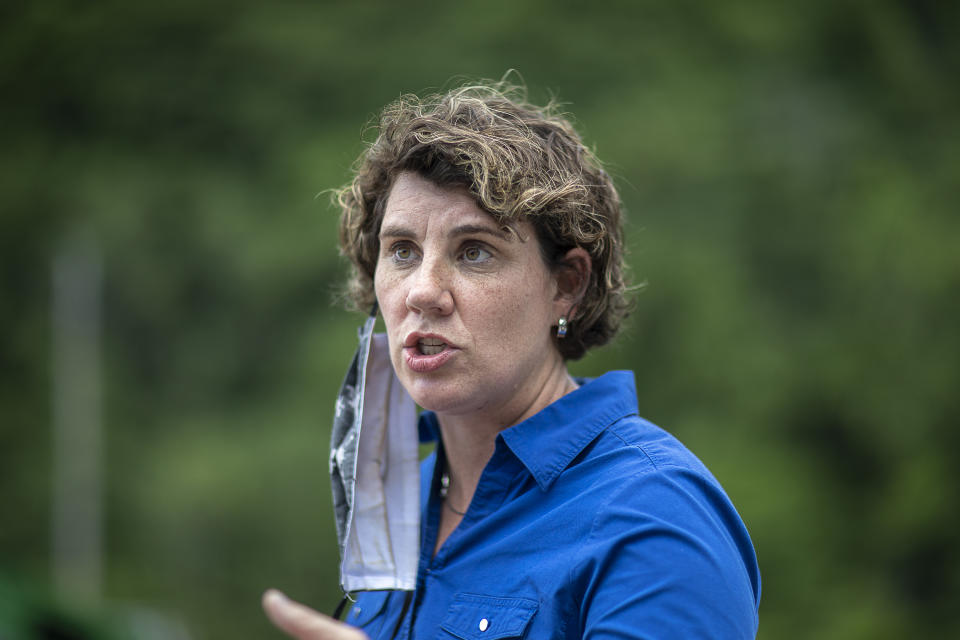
[382,287]
[391,299]
[382,294]
[505,311]
[378,288]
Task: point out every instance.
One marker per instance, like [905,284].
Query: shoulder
[652,481]
[664,530]
[632,451]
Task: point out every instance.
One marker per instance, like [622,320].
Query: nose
[429,290]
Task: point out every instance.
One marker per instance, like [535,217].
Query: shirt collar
[548,441]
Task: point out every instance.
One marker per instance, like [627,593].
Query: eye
[473,253]
[402,253]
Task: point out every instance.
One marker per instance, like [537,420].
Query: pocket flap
[475,617]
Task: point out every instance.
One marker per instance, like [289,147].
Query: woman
[490,239]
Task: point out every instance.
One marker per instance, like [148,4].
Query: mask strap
[340,607]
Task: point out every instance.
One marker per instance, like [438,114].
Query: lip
[420,363]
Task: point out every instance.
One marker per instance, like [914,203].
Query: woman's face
[468,305]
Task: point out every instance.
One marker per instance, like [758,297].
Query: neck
[469,440]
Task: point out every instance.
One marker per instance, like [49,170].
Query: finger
[303,622]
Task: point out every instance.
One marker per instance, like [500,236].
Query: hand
[303,623]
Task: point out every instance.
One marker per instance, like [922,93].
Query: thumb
[303,622]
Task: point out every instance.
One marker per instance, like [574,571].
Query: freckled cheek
[384,287]
[501,310]
[390,301]
[392,315]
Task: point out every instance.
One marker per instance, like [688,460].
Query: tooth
[431,346]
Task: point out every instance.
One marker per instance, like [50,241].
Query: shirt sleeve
[668,557]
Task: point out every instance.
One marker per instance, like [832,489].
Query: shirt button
[484,623]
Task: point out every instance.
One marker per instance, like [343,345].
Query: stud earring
[561,327]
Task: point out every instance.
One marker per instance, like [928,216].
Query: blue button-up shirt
[588,522]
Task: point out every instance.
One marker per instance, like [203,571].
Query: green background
[791,173]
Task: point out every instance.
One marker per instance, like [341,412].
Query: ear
[572,276]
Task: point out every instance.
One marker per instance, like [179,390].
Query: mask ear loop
[338,613]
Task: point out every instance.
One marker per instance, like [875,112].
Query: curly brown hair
[520,162]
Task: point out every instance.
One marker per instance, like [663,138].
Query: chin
[440,398]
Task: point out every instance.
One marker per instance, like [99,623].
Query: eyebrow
[472,229]
[395,231]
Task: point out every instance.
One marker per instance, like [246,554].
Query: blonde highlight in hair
[520,162]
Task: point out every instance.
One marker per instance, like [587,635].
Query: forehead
[414,200]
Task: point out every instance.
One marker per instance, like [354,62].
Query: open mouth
[430,346]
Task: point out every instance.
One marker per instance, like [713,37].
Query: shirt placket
[491,492]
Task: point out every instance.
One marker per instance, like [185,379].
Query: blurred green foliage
[791,173]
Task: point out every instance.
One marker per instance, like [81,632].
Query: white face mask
[375,472]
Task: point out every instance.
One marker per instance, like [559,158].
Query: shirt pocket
[366,612]
[476,617]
